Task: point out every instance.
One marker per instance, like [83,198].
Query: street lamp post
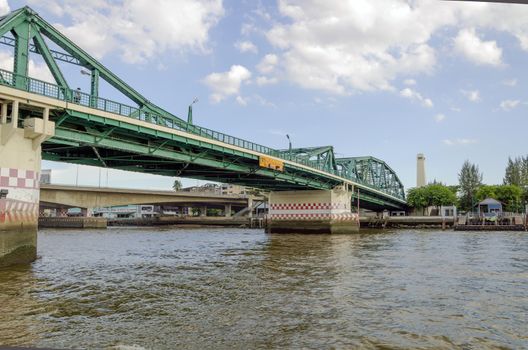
[189,113]
[289,145]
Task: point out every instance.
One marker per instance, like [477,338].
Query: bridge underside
[87,142]
[91,140]
[82,142]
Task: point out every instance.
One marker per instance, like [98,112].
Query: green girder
[89,138]
[43,49]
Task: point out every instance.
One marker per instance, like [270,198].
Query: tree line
[513,193]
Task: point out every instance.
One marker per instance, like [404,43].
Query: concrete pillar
[14,113]
[87,212]
[250,206]
[3,113]
[312,211]
[227,210]
[420,170]
[20,156]
[203,211]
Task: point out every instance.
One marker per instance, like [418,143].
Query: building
[208,187]
[489,207]
[233,189]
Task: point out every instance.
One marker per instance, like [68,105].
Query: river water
[170,288]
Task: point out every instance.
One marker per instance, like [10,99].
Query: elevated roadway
[96,197]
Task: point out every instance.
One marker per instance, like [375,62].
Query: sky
[386,78]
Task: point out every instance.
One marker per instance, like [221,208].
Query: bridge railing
[81,98]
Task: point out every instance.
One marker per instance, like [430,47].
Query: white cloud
[439,118]
[454,142]
[268,63]
[413,95]
[508,105]
[241,101]
[246,46]
[345,46]
[409,82]
[254,99]
[471,95]
[263,80]
[139,30]
[476,50]
[262,101]
[510,82]
[36,70]
[341,46]
[4,7]
[227,83]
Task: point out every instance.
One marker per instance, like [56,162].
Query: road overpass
[65,196]
[310,187]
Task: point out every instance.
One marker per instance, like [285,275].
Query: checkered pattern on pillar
[21,202]
[311,211]
[17,178]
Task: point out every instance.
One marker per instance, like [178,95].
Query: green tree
[416,198]
[514,172]
[438,195]
[524,171]
[434,194]
[177,185]
[510,195]
[469,179]
[486,191]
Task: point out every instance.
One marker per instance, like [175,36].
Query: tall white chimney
[420,170]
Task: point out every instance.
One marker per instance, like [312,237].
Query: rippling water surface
[131,288]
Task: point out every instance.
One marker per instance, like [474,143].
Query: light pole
[289,145]
[189,113]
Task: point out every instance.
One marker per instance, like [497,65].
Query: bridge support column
[87,212]
[203,211]
[227,210]
[20,157]
[313,211]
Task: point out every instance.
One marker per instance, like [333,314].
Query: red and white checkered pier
[315,211]
[20,157]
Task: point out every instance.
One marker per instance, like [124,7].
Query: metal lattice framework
[373,171]
[144,137]
[322,157]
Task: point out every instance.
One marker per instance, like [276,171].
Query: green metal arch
[372,171]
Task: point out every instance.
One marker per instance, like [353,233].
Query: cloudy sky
[387,78]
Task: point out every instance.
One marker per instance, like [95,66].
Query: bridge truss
[96,131]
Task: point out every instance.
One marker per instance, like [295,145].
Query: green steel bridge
[145,138]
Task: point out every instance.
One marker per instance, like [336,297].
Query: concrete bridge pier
[20,158]
[313,211]
[227,210]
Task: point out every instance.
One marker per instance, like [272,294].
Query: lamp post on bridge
[189,113]
[289,145]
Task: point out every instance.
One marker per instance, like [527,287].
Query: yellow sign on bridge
[270,163]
